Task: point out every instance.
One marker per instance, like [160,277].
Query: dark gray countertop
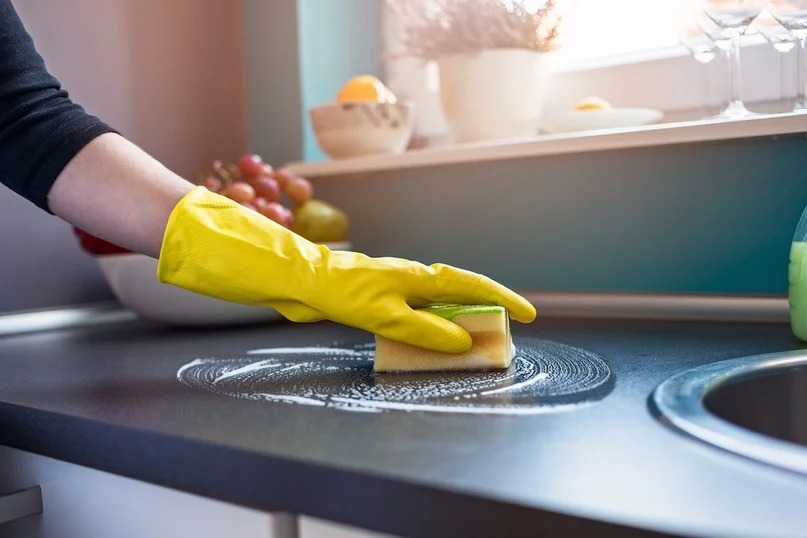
[108,397]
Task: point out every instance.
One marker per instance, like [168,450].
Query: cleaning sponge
[492,349]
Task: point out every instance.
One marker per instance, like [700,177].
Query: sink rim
[678,403]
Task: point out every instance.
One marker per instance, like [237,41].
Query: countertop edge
[67,317]
[679,307]
[236,480]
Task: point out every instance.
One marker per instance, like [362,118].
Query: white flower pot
[493,94]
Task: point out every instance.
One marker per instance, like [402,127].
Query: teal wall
[710,217]
[338,39]
[298,53]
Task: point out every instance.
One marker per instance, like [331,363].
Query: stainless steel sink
[753,406]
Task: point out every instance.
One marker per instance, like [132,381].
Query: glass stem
[736,76]
[801,72]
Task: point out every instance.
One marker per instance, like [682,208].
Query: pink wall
[168,74]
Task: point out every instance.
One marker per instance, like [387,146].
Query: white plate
[586,120]
[133,280]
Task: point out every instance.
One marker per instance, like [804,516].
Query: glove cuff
[217,247]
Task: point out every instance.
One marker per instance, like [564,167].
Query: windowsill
[662,134]
[561,65]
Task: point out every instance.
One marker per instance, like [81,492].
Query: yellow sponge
[492,349]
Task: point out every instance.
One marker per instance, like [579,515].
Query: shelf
[636,137]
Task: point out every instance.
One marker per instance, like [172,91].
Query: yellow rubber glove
[216,247]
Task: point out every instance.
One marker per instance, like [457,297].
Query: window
[603,29]
[597,30]
[629,52]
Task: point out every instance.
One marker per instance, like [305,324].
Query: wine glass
[718,35]
[792,14]
[779,37]
[782,40]
[705,50]
[733,17]
[700,45]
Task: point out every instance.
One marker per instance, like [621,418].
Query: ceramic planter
[492,94]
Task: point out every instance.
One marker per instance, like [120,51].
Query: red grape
[299,190]
[213,184]
[249,206]
[275,211]
[283,177]
[267,187]
[267,169]
[250,166]
[240,192]
[260,203]
[289,220]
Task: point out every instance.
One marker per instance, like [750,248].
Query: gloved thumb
[426,330]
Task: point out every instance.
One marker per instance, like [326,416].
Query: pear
[320,222]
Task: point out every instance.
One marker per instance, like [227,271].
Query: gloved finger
[454,285]
[426,330]
[296,311]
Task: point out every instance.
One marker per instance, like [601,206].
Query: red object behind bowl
[96,246]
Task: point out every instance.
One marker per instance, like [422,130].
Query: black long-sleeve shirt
[41,129]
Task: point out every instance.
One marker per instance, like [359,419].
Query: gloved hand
[216,247]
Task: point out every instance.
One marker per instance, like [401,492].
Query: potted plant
[489,55]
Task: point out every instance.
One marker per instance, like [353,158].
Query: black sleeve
[41,129]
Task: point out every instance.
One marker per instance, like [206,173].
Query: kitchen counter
[108,397]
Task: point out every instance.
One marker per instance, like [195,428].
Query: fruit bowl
[354,129]
[133,280]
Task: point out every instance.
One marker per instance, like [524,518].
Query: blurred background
[193,81]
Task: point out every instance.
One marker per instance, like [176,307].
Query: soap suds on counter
[545,376]
[302,350]
[531,381]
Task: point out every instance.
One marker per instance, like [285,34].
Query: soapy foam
[545,376]
[245,369]
[534,379]
[292,399]
[302,350]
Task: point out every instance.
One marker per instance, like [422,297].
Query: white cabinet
[316,528]
[79,502]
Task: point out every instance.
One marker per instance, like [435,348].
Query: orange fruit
[365,88]
[593,103]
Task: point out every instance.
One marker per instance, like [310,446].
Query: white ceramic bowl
[133,280]
[354,129]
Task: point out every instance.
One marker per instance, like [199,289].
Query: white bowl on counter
[133,280]
[354,129]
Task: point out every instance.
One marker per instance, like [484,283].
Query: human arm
[72,164]
[116,191]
